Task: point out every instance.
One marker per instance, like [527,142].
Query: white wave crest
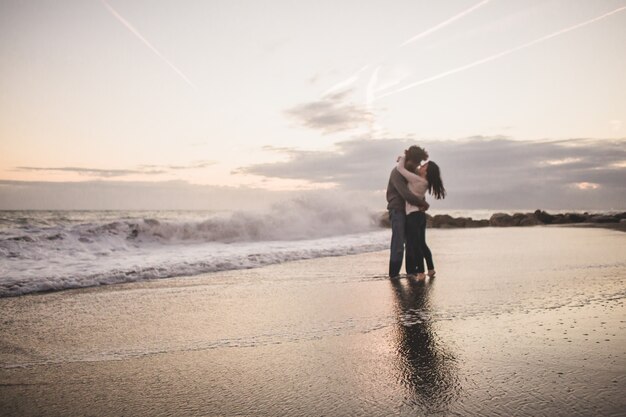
[51,252]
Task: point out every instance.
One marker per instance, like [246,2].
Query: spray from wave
[44,251]
[294,220]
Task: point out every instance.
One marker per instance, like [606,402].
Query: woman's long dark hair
[435,184]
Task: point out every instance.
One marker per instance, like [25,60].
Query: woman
[427,178]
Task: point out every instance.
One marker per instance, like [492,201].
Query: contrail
[145,41]
[501,54]
[345,83]
[352,79]
[444,23]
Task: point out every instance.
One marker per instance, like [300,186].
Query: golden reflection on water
[426,366]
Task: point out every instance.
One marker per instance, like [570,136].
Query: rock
[602,218]
[576,218]
[446,221]
[441,219]
[464,222]
[569,218]
[517,219]
[559,219]
[479,223]
[544,217]
[538,217]
[530,220]
[501,220]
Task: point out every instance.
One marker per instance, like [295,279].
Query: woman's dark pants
[416,248]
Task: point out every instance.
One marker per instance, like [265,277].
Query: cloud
[193,165]
[561,161]
[130,195]
[95,172]
[479,172]
[330,114]
[586,186]
[494,173]
[111,173]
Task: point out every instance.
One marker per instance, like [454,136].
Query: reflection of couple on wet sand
[426,367]
[407,206]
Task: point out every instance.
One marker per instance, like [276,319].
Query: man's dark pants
[398,222]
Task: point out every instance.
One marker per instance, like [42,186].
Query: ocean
[56,250]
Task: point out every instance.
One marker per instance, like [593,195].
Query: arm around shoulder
[400,185]
[410,176]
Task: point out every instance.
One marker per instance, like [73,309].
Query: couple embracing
[407,206]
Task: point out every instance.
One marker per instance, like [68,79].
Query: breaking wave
[45,251]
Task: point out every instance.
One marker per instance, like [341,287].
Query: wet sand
[621,226]
[523,321]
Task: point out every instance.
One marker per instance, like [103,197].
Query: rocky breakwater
[445,221]
[440,221]
[540,217]
[536,218]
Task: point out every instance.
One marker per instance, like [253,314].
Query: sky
[110,104]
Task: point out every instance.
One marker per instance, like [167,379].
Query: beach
[518,321]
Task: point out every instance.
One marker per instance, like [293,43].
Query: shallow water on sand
[518,322]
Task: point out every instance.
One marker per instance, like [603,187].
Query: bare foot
[421,276]
[431,273]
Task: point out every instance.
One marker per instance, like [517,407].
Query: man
[397,195]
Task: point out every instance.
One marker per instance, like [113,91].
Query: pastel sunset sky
[218,104]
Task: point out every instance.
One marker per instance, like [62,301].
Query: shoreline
[620,227]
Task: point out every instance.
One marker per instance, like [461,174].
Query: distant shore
[615,221]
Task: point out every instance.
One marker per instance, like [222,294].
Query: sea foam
[46,251]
